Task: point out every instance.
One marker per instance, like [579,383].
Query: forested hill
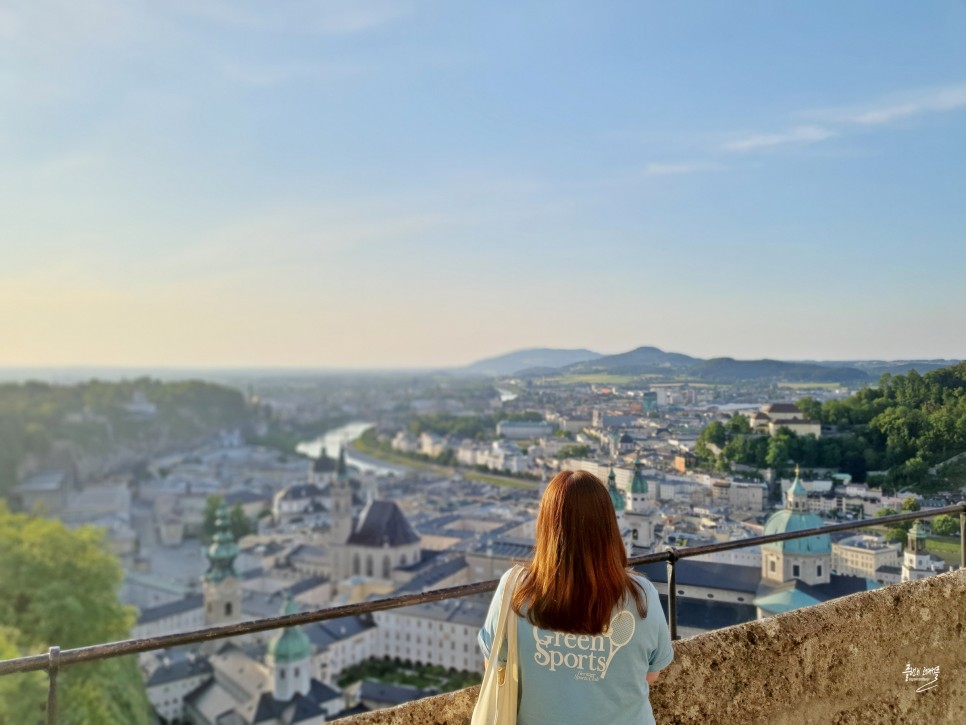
[98,425]
[904,426]
[911,421]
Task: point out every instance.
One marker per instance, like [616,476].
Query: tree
[60,588]
[910,504]
[779,450]
[22,696]
[574,451]
[239,523]
[811,408]
[897,531]
[945,525]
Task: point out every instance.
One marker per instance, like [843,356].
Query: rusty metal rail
[55,658]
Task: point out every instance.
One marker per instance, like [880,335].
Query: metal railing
[55,658]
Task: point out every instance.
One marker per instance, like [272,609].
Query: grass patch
[401,459]
[495,480]
[807,386]
[407,673]
[944,547]
[597,379]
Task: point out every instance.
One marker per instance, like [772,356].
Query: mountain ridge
[650,360]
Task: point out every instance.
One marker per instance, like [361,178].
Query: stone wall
[840,662]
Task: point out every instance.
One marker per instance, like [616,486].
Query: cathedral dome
[785,521]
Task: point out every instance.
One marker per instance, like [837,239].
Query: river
[506,395]
[336,438]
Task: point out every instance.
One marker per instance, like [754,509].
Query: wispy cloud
[671,169]
[793,136]
[939,100]
[836,122]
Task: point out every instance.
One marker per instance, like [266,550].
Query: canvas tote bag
[497,704]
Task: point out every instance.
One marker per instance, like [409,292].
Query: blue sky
[377,183]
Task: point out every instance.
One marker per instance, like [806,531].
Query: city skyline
[387,184]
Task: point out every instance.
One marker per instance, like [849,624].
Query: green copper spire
[292,645]
[639,483]
[223,549]
[797,497]
[616,497]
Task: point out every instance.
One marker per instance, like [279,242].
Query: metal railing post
[53,654]
[962,538]
[672,602]
[55,658]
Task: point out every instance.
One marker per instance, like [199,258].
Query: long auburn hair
[578,572]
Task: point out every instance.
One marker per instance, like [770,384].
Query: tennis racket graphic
[620,631]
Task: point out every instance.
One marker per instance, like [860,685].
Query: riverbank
[375,452]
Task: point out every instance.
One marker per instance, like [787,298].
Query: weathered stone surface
[837,663]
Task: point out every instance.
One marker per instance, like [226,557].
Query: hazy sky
[381,183]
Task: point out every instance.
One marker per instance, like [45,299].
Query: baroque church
[287,679]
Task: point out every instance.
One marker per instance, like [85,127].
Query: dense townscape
[336,491]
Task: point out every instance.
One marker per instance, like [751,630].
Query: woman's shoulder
[515,573]
[644,583]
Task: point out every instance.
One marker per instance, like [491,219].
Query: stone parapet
[844,661]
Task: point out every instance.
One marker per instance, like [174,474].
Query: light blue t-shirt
[571,678]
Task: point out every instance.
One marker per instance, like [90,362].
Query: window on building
[227,609]
[355,563]
[795,570]
[386,566]
[771,566]
[296,671]
[369,568]
[818,570]
[281,673]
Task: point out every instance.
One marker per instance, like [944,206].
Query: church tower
[616,496]
[620,505]
[915,559]
[222,587]
[637,501]
[639,511]
[341,508]
[321,468]
[289,655]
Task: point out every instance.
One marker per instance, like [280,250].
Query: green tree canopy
[910,504]
[60,588]
[945,525]
[897,531]
[240,524]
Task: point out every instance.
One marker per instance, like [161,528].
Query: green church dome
[638,483]
[785,521]
[292,645]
